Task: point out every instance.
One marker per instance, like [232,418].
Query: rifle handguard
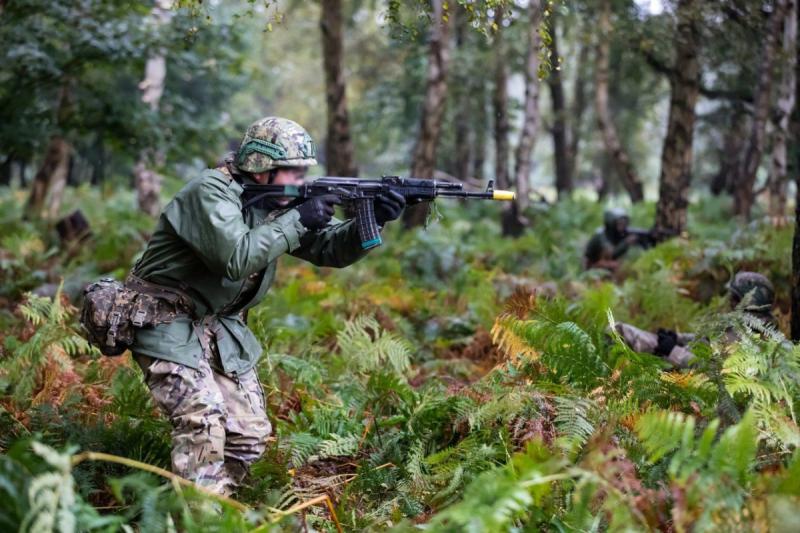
[368,229]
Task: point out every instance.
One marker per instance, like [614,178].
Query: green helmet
[274,142]
[610,216]
[754,289]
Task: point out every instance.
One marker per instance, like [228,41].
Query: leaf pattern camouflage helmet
[274,142]
[754,289]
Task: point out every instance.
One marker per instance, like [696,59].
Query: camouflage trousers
[219,421]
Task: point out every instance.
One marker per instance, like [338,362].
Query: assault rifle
[360,195]
[647,238]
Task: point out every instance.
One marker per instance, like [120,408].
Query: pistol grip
[368,229]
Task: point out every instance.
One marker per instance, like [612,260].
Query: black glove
[317,212]
[388,207]
[667,339]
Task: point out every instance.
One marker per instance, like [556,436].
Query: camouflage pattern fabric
[643,341]
[274,142]
[219,421]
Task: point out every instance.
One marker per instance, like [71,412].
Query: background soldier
[750,292]
[613,240]
[200,366]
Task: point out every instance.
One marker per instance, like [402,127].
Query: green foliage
[53,336]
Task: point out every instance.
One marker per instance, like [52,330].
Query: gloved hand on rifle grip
[317,212]
[667,340]
[388,207]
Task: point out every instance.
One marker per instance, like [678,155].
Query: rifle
[647,238]
[360,194]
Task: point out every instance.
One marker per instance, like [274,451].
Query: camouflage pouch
[111,313]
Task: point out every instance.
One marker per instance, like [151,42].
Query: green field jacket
[204,245]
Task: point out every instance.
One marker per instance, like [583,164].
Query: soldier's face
[289,176]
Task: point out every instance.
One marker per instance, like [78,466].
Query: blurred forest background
[462,375]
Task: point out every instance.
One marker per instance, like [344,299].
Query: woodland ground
[452,379]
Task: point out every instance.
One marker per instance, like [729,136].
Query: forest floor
[452,378]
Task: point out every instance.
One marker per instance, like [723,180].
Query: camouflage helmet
[610,216]
[274,142]
[754,289]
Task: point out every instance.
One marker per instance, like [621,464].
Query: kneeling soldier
[200,366]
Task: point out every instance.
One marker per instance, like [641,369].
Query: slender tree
[619,158]
[786,101]
[500,105]
[578,107]
[424,156]
[339,153]
[743,197]
[515,222]
[51,178]
[146,179]
[559,130]
[676,155]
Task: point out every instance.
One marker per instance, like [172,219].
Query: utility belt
[112,311]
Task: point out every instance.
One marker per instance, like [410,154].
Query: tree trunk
[619,158]
[5,171]
[560,142]
[339,152]
[743,197]
[786,102]
[47,189]
[796,260]
[465,85]
[479,140]
[48,185]
[146,180]
[531,117]
[676,156]
[98,161]
[433,108]
[578,107]
[500,106]
[733,142]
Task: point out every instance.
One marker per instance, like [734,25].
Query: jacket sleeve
[207,216]
[337,245]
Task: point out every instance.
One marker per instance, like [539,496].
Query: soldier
[613,240]
[749,292]
[221,262]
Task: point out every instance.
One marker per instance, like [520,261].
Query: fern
[368,347]
[573,419]
[53,333]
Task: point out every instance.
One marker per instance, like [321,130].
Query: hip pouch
[112,311]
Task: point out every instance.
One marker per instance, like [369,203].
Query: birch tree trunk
[500,106]
[559,131]
[147,181]
[743,197]
[433,107]
[339,153]
[676,156]
[531,117]
[786,101]
[619,158]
